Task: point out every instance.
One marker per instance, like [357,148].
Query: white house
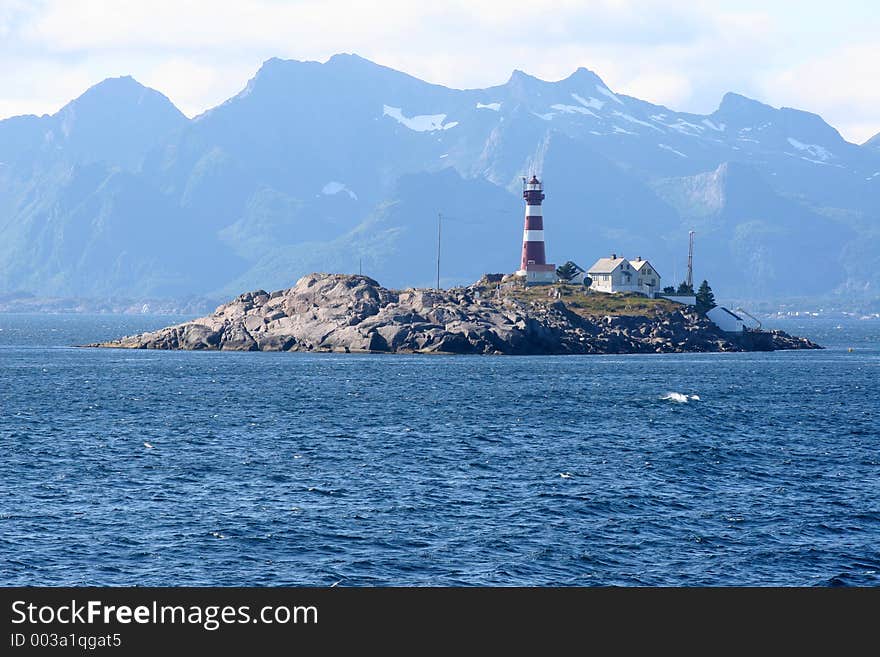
[621,275]
[726,320]
[647,277]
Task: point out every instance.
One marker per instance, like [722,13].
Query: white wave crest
[679,398]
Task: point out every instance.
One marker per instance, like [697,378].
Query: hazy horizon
[500,83]
[684,56]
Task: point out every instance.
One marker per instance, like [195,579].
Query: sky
[821,57]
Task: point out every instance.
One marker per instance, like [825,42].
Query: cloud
[197,24]
[195,84]
[669,89]
[40,86]
[841,86]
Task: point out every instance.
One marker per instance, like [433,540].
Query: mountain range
[344,166]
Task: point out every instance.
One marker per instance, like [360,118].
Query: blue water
[301,469]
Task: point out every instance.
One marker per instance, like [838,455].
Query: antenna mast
[690,275]
[439,222]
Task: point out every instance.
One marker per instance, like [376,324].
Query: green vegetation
[567,271]
[598,304]
[705,298]
[685,289]
[580,299]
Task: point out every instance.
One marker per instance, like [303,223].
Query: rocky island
[496,315]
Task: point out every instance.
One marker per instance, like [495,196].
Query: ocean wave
[679,398]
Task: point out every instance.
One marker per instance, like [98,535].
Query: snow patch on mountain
[671,150]
[573,109]
[686,128]
[621,131]
[607,92]
[719,127]
[632,119]
[420,122]
[818,152]
[334,187]
[495,107]
[680,125]
[592,103]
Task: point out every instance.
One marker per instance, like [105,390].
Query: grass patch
[585,303]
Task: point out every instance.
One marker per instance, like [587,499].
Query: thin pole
[360,266]
[690,274]
[439,222]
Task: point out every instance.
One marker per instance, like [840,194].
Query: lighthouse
[533,265]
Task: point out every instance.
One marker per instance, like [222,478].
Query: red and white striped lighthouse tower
[534,260]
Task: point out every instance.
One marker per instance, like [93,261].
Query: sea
[157,468]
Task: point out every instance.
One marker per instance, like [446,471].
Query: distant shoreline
[22,304]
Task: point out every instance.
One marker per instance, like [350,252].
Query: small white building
[538,274]
[726,320]
[615,274]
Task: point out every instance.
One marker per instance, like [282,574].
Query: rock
[236,337]
[254,322]
[198,336]
[339,313]
[275,343]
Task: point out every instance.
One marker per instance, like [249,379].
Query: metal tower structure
[690,274]
[439,222]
